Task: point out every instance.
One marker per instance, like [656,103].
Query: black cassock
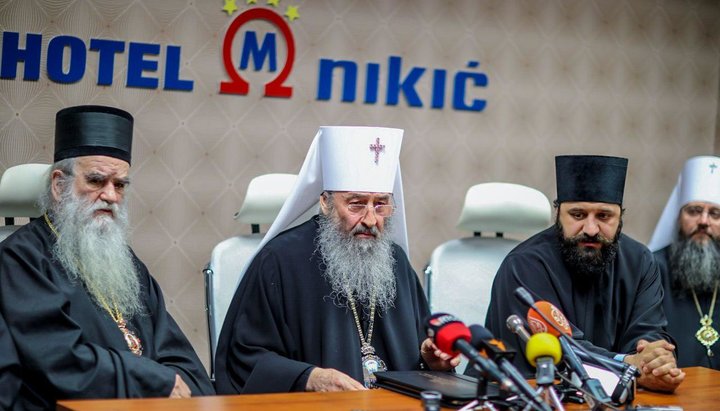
[607,317]
[71,348]
[282,322]
[10,381]
[684,320]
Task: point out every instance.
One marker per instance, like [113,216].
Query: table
[699,391]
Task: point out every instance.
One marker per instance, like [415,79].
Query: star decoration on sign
[230,7]
[273,3]
[712,166]
[292,13]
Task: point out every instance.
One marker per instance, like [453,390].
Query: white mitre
[363,159]
[698,181]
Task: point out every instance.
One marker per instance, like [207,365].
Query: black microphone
[495,349]
[592,385]
[452,337]
[524,296]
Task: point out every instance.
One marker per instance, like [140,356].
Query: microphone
[451,336]
[558,325]
[524,296]
[496,350]
[552,318]
[516,325]
[543,352]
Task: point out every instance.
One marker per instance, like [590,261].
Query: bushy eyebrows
[97,176]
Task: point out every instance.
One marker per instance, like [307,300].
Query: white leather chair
[20,188]
[263,201]
[460,273]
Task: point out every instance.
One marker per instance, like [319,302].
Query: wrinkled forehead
[362,196]
[104,165]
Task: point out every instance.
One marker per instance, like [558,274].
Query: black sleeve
[255,346]
[646,317]
[10,381]
[172,348]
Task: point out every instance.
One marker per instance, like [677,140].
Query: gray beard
[362,268]
[95,251]
[695,266]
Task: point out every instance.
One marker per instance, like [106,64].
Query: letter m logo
[259,53]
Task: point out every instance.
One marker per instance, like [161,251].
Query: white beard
[94,249]
[362,267]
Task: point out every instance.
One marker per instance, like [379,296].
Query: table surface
[699,391]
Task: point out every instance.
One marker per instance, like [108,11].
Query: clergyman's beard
[587,263]
[694,265]
[363,267]
[94,249]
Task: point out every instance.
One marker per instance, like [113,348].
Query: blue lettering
[438,91]
[250,47]
[137,64]
[172,71]
[55,57]
[106,58]
[371,85]
[407,86]
[479,79]
[326,76]
[12,55]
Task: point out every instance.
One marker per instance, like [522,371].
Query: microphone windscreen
[445,329]
[479,334]
[538,324]
[448,334]
[543,345]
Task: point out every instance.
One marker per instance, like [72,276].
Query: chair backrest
[263,200]
[459,276]
[20,188]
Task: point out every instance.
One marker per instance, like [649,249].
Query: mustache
[102,205]
[360,229]
[585,238]
[704,230]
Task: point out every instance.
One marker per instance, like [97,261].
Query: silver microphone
[517,326]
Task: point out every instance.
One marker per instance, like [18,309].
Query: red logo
[237,84]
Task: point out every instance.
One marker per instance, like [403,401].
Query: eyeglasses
[382,210]
[696,211]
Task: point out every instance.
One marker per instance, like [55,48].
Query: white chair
[460,273]
[20,188]
[263,201]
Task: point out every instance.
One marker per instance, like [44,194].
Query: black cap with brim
[93,131]
[597,179]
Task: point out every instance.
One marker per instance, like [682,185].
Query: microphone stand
[482,401]
[545,378]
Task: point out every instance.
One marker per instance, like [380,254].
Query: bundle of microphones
[583,376]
